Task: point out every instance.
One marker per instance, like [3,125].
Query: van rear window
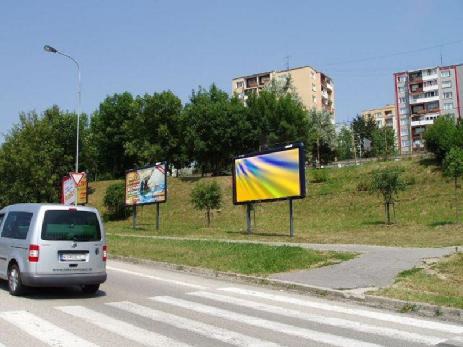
[63,225]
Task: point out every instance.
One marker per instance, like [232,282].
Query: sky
[147,46]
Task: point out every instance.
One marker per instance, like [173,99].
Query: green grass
[334,211]
[243,258]
[440,284]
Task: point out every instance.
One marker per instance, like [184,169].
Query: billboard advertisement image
[147,185]
[68,191]
[275,174]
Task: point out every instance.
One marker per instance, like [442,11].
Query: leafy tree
[363,133]
[442,136]
[37,153]
[384,143]
[216,129]
[276,119]
[114,201]
[109,135]
[206,196]
[453,167]
[282,86]
[322,135]
[344,144]
[155,130]
[388,183]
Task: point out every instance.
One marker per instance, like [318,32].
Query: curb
[416,308]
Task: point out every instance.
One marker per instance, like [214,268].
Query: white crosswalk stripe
[204,329]
[157,278]
[403,320]
[126,330]
[312,335]
[336,322]
[43,330]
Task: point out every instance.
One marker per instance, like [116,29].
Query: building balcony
[414,101]
[422,122]
[430,77]
[325,94]
[431,88]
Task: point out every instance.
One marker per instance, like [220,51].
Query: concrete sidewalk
[375,267]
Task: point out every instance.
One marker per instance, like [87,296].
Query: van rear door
[71,243]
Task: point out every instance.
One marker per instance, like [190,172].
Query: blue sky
[145,46]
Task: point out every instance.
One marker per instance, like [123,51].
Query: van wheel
[15,285]
[90,288]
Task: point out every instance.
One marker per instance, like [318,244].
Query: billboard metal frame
[282,148]
[144,168]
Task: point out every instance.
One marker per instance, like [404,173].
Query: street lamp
[51,49]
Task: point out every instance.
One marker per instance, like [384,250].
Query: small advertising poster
[147,185]
[68,191]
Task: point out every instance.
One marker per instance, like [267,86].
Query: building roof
[279,71]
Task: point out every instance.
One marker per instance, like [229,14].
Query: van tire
[90,288]
[15,285]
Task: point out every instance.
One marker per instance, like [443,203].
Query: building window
[239,84]
[431,94]
[401,89]
[401,79]
[402,100]
[446,84]
[448,106]
[445,73]
[448,95]
[403,110]
[314,99]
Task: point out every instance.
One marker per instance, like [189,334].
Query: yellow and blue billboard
[275,174]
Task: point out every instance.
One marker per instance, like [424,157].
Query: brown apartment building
[314,88]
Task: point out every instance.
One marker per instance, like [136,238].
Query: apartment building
[315,89]
[423,95]
[383,116]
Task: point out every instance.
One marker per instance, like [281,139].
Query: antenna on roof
[441,56]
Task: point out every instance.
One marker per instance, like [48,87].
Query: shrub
[363,186]
[319,176]
[206,196]
[114,201]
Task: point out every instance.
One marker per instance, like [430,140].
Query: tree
[322,135]
[276,119]
[344,144]
[453,167]
[388,183]
[154,131]
[206,196]
[37,153]
[441,136]
[216,129]
[363,134]
[109,136]
[383,145]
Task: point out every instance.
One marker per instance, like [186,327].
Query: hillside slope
[334,211]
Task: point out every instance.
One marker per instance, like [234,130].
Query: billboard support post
[291,220]
[248,219]
[157,216]
[134,217]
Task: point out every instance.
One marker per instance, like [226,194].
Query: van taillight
[33,253]
[105,253]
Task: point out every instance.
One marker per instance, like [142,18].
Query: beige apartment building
[314,88]
[384,116]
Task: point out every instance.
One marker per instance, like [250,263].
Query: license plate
[73,257]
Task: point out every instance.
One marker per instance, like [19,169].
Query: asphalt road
[142,305]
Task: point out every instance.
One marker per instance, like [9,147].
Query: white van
[50,245]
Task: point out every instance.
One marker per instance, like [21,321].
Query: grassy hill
[336,210]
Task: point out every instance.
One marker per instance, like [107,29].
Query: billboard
[275,174]
[68,191]
[147,185]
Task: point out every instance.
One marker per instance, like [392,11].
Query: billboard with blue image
[147,185]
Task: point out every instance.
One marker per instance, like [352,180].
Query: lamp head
[50,49]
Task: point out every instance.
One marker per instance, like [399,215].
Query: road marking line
[126,330]
[139,274]
[43,330]
[263,323]
[204,329]
[449,328]
[324,320]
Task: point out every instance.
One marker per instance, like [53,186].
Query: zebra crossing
[224,316]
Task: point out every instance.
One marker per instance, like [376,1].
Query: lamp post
[50,49]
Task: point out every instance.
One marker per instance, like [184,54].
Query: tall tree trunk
[388,213]
[456,201]
[318,153]
[208,213]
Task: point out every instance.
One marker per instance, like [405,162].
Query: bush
[319,176]
[206,196]
[363,186]
[442,136]
[114,201]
